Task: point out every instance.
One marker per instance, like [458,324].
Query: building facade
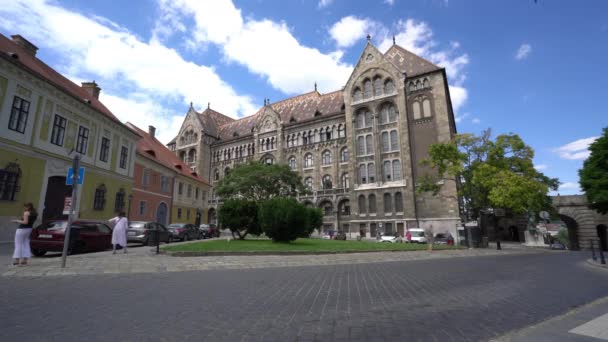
[45,119]
[358,149]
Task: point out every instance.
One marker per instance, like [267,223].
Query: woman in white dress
[119,233]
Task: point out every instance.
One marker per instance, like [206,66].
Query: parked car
[340,235]
[86,236]
[184,231]
[418,235]
[142,231]
[443,239]
[388,237]
[204,231]
[214,230]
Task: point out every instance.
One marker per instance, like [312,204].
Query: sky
[534,68]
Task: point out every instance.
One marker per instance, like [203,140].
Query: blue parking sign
[70,176]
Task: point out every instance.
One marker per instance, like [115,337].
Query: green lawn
[300,245]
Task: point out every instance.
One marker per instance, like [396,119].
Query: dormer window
[317,113]
[235,134]
[292,120]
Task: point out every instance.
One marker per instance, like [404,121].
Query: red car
[87,236]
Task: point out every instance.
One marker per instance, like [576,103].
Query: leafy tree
[593,177]
[240,216]
[488,173]
[314,220]
[283,219]
[257,181]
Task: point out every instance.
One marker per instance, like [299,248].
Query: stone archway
[572,231]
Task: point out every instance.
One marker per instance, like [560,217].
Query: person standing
[408,236]
[119,233]
[22,235]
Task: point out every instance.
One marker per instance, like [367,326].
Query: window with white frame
[124,154]
[58,130]
[104,151]
[292,163]
[308,160]
[82,142]
[341,131]
[344,155]
[19,113]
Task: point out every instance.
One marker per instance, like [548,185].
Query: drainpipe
[411,148]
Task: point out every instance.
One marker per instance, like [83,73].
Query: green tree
[283,219]
[257,181]
[593,177]
[314,220]
[240,216]
[498,174]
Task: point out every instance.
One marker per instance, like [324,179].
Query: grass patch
[300,245]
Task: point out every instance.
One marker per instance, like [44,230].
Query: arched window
[367,89]
[192,156]
[397,170]
[388,203]
[418,84]
[327,182]
[392,114]
[372,204]
[387,171]
[216,174]
[389,87]
[426,83]
[369,144]
[341,131]
[308,183]
[357,94]
[292,162]
[417,111]
[360,119]
[226,171]
[385,143]
[394,141]
[426,108]
[411,86]
[362,207]
[268,160]
[344,155]
[328,208]
[360,145]
[326,158]
[345,181]
[371,172]
[362,174]
[99,200]
[398,202]
[378,86]
[308,161]
[182,156]
[368,119]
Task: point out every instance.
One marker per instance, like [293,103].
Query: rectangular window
[187,214]
[146,177]
[58,130]
[124,154]
[394,141]
[369,146]
[180,188]
[385,146]
[104,152]
[19,113]
[142,208]
[164,183]
[83,140]
[8,184]
[179,213]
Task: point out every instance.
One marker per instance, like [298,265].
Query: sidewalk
[143,260]
[586,323]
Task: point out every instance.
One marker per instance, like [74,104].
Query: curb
[597,264]
[263,253]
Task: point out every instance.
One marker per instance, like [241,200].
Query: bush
[314,220]
[283,219]
[240,216]
[562,236]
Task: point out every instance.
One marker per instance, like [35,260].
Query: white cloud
[540,167]
[476,121]
[122,63]
[349,30]
[325,3]
[264,47]
[459,118]
[459,96]
[576,150]
[389,2]
[523,51]
[569,188]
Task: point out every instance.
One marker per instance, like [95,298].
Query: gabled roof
[149,147]
[212,120]
[409,62]
[42,70]
[300,108]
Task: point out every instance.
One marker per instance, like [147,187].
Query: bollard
[498,244]
[157,240]
[592,251]
[602,260]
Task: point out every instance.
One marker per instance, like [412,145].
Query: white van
[417,235]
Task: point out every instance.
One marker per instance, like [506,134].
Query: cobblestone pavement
[144,260]
[441,298]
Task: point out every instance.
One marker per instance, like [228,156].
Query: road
[460,299]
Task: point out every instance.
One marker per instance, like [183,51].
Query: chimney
[151,131]
[25,44]
[92,88]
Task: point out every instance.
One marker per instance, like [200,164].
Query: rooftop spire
[369,38]
[394,40]
[190,104]
[315,86]
[208,105]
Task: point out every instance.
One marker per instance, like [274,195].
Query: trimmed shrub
[282,219]
[240,216]
[314,220]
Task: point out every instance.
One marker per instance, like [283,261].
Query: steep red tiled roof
[150,148]
[213,120]
[408,62]
[44,71]
[300,108]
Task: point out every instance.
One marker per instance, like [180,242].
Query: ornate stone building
[358,148]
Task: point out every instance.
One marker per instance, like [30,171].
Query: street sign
[69,180]
[544,215]
[67,205]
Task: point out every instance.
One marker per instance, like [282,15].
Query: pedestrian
[408,236]
[22,235]
[119,233]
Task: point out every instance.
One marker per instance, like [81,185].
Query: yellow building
[190,194]
[45,119]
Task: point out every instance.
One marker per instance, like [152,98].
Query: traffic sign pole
[68,228]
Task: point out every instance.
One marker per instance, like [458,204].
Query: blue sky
[535,69]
